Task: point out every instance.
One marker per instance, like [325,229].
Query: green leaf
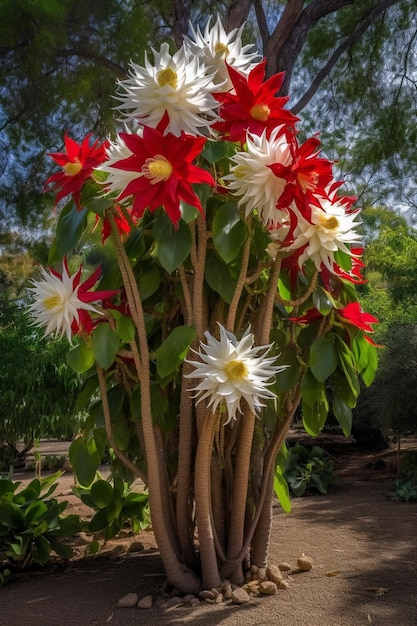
[86,392]
[42,550]
[218,278]
[323,301]
[102,493]
[229,232]
[149,279]
[323,358]
[69,228]
[85,461]
[315,406]
[288,378]
[214,150]
[80,358]
[174,244]
[281,490]
[35,511]
[343,414]
[105,344]
[172,352]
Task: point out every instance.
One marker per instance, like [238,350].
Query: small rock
[274,573]
[186,599]
[254,569]
[227,591]
[305,563]
[116,553]
[145,603]
[284,584]
[194,602]
[129,600]
[260,574]
[267,588]
[206,594]
[240,596]
[172,602]
[285,567]
[218,599]
[136,546]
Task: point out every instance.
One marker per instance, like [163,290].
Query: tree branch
[90,55]
[367,20]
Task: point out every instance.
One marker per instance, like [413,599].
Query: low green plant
[308,469]
[32,525]
[404,490]
[115,505]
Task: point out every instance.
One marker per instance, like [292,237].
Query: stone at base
[129,600]
[240,596]
[145,603]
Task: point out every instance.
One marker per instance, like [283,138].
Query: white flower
[178,85]
[215,47]
[117,179]
[231,370]
[251,178]
[57,302]
[330,229]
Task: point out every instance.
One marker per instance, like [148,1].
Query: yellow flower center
[51,302]
[240,171]
[329,222]
[221,48]
[308,181]
[168,76]
[260,112]
[71,169]
[158,169]
[236,370]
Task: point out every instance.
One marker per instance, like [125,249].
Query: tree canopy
[349,64]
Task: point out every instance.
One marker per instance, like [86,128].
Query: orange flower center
[72,168]
[168,76]
[221,48]
[308,181]
[236,370]
[329,222]
[260,112]
[158,169]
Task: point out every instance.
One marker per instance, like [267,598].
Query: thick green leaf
[69,228]
[105,344]
[7,486]
[11,515]
[80,358]
[172,352]
[343,414]
[288,378]
[368,374]
[214,150]
[174,244]
[323,301]
[86,392]
[281,490]
[314,417]
[149,280]
[323,358]
[102,493]
[35,511]
[85,461]
[229,232]
[42,550]
[218,278]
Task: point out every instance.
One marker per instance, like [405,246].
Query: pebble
[145,603]
[305,563]
[267,588]
[284,567]
[206,594]
[240,596]
[129,600]
[172,603]
[227,591]
[274,573]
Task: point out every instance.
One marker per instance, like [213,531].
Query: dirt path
[363,545]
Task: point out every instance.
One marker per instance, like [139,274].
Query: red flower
[254,105]
[166,171]
[353,314]
[122,224]
[307,173]
[78,163]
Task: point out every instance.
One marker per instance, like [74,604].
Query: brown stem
[294,303]
[202,495]
[181,576]
[240,492]
[107,423]
[266,310]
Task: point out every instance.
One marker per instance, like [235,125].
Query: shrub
[32,525]
[308,469]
